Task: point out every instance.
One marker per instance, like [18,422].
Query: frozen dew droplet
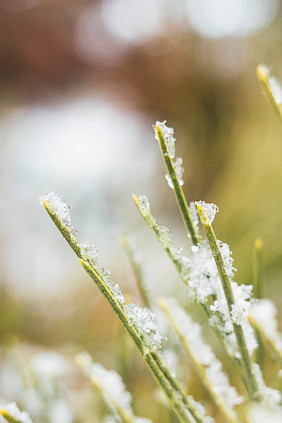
[20,416]
[146,323]
[144,205]
[89,252]
[209,209]
[168,134]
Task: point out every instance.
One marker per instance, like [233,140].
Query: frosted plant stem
[258,292]
[271,89]
[245,358]
[182,405]
[271,345]
[138,271]
[180,197]
[199,367]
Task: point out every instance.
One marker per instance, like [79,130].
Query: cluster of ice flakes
[200,411]
[168,134]
[179,172]
[270,397]
[113,287]
[261,414]
[111,384]
[209,209]
[194,216]
[146,323]
[89,252]
[58,207]
[144,205]
[263,313]
[19,416]
[203,354]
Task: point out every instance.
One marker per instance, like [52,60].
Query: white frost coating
[49,365]
[168,134]
[114,288]
[146,322]
[261,414]
[264,314]
[274,85]
[209,209]
[179,173]
[171,360]
[201,411]
[89,252]
[59,207]
[271,398]
[203,354]
[112,385]
[194,216]
[144,205]
[20,416]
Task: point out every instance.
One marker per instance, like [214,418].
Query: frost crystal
[89,252]
[20,416]
[168,134]
[114,288]
[179,173]
[144,205]
[61,209]
[111,384]
[202,353]
[209,209]
[201,411]
[146,323]
[271,398]
[263,313]
[194,216]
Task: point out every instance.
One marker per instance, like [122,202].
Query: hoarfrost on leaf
[114,288]
[111,384]
[19,416]
[209,209]
[146,323]
[89,252]
[59,207]
[144,205]
[179,173]
[168,134]
[271,398]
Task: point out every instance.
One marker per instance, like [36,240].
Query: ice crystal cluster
[263,313]
[209,209]
[202,353]
[19,416]
[168,134]
[89,252]
[113,287]
[59,207]
[201,411]
[271,398]
[146,323]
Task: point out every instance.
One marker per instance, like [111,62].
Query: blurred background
[81,84]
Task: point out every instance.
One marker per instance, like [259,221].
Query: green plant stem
[161,374]
[137,269]
[226,284]
[180,197]
[258,293]
[199,367]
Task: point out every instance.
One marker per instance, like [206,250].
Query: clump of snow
[261,414]
[171,360]
[264,313]
[271,398]
[144,205]
[59,207]
[209,209]
[200,411]
[146,323]
[114,288]
[168,134]
[179,172]
[202,353]
[89,252]
[111,384]
[20,416]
